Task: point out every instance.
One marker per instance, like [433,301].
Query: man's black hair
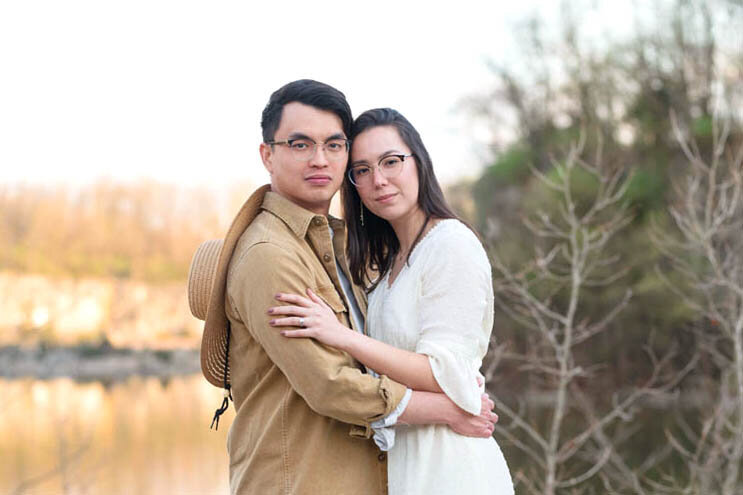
[308,92]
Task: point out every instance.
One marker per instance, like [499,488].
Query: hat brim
[214,359]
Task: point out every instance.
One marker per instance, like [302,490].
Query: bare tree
[707,256]
[576,441]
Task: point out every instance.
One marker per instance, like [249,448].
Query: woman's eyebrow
[382,155]
[390,152]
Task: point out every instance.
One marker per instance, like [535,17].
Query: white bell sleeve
[456,314]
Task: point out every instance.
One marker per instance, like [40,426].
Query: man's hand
[480,426]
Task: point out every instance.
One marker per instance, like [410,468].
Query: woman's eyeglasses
[389,166]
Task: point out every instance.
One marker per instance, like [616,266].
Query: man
[305,412]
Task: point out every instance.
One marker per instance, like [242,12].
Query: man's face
[310,183]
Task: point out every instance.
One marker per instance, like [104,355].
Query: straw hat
[207,284]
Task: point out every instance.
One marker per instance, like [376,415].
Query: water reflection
[141,436]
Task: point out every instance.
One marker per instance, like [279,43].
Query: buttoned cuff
[389,391]
[384,431]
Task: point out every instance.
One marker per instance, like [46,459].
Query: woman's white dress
[441,305]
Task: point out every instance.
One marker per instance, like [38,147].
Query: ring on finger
[301,322]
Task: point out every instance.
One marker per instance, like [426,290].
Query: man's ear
[266,152]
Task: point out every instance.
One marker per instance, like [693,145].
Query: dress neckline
[386,280]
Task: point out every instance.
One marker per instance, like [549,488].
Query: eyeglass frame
[315,144]
[401,156]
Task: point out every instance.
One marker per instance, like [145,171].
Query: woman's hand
[315,319]
[480,426]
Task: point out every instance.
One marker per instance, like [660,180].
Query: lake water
[145,435]
[142,435]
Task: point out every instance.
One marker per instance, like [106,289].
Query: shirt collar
[297,218]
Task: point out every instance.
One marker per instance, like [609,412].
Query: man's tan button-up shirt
[303,409]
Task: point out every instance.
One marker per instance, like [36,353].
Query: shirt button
[318,221]
[327,257]
[382,457]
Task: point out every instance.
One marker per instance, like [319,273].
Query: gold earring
[362,212]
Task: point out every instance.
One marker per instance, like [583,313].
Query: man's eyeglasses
[304,148]
[389,166]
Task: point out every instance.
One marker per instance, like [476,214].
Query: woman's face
[391,198]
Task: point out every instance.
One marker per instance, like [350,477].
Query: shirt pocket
[330,295]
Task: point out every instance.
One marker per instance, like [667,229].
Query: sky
[173,90]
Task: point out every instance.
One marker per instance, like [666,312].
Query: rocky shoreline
[95,362]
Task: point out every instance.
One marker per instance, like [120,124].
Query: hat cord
[227,389]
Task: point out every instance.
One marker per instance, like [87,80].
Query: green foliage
[512,167]
[646,190]
[702,126]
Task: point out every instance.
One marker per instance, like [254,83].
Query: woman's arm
[427,408]
[318,321]
[409,368]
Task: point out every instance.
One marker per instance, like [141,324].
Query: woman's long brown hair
[374,245]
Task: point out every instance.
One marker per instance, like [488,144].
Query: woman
[430,308]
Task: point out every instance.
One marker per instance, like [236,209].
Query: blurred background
[596,147]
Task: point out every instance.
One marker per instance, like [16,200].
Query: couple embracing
[351,347]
